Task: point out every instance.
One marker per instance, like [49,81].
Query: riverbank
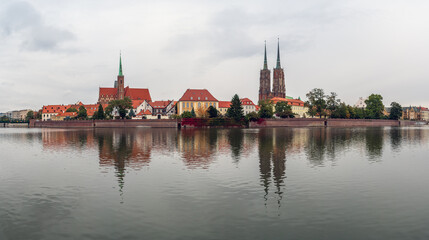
[262,123]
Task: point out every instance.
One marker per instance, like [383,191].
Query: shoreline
[262,123]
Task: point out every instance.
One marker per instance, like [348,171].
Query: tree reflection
[395,138]
[197,147]
[374,142]
[316,146]
[235,139]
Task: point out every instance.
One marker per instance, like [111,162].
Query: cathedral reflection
[273,144]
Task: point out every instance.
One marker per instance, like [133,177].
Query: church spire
[120,65]
[278,54]
[265,57]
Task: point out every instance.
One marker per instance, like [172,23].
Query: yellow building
[198,99]
[297,105]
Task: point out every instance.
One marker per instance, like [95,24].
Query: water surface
[282,183]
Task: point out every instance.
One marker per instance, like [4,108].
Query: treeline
[321,105]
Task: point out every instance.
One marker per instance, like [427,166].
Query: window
[187,105]
[191,98]
[198,98]
[183,105]
[206,98]
[199,104]
[207,104]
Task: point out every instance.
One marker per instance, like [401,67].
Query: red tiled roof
[246,101]
[160,104]
[146,112]
[67,114]
[136,103]
[55,108]
[224,104]
[294,102]
[138,94]
[111,92]
[197,95]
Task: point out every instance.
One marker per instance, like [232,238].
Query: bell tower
[279,87]
[265,79]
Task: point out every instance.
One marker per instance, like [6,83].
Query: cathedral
[119,91]
[279,87]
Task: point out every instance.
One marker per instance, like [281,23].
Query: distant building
[223,107]
[298,107]
[50,111]
[360,103]
[279,87]
[107,94]
[246,103]
[197,99]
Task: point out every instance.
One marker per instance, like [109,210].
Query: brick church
[119,91]
[279,87]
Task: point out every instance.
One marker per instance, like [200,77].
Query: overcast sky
[60,52]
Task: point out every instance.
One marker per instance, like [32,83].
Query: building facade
[279,86]
[298,107]
[197,99]
[119,91]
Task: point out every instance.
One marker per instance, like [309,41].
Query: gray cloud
[22,18]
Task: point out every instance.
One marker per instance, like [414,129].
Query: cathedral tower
[279,87]
[120,82]
[265,80]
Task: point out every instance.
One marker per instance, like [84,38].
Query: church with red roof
[119,91]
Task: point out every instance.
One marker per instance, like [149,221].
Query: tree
[212,112]
[71,109]
[316,102]
[332,104]
[341,111]
[193,115]
[374,106]
[100,113]
[131,114]
[30,115]
[284,110]
[252,116]
[235,110]
[187,114]
[82,114]
[122,105]
[395,111]
[202,112]
[4,119]
[265,109]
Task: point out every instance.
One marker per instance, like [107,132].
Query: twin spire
[278,66]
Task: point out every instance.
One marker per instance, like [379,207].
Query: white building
[361,103]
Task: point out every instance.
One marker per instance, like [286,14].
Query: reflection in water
[199,148]
[272,158]
[374,142]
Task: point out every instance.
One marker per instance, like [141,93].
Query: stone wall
[291,122]
[360,123]
[158,123]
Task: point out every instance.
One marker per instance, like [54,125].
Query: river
[281,183]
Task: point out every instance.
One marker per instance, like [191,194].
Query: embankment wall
[313,122]
[158,123]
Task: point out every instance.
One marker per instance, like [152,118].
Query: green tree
[100,113]
[374,106]
[187,114]
[4,119]
[332,104]
[395,111]
[131,114]
[235,110]
[30,115]
[71,109]
[122,105]
[283,110]
[316,102]
[82,114]
[340,111]
[212,112]
[265,109]
[193,115]
[252,116]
